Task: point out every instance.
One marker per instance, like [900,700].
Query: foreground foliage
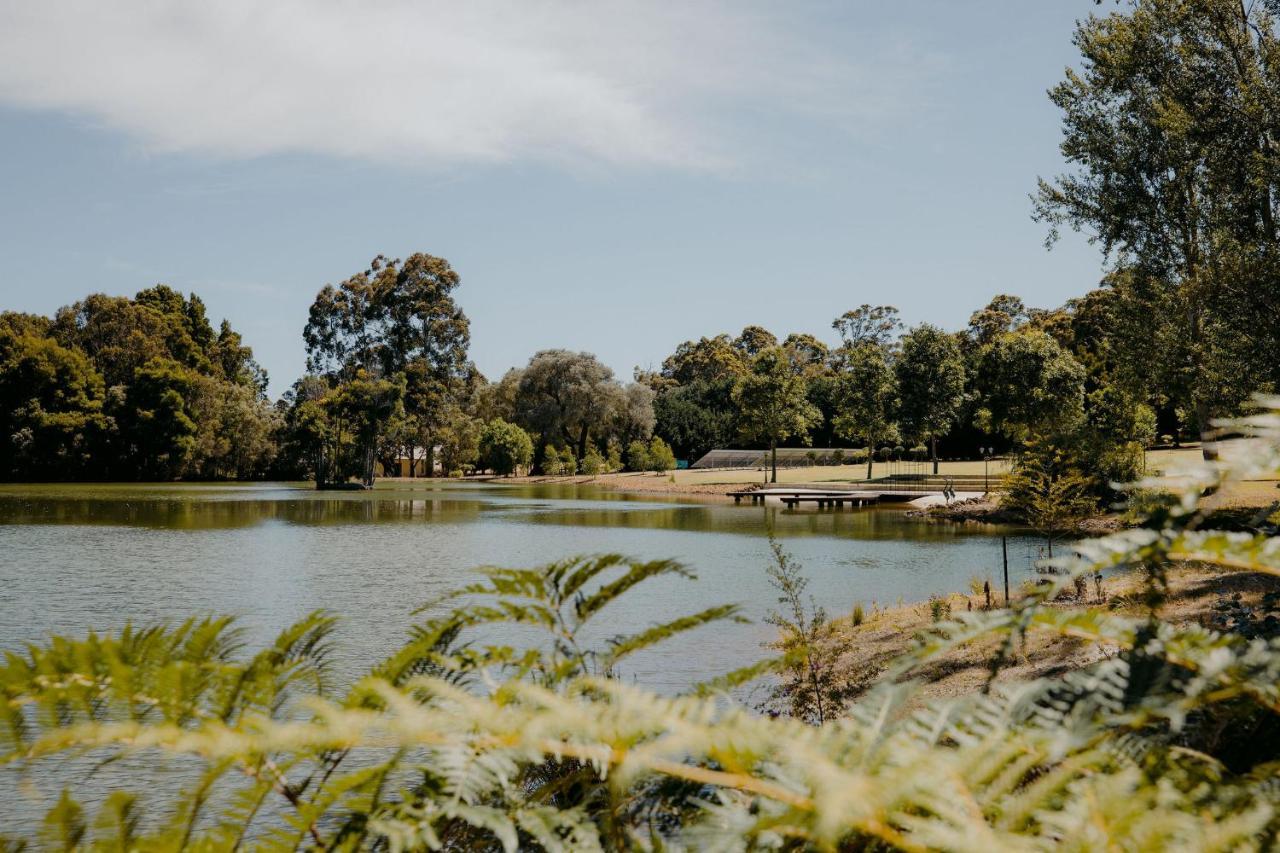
[456,742]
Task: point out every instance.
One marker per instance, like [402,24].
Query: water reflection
[228,507]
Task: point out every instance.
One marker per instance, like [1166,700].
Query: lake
[75,558]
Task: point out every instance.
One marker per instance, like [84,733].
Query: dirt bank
[886,634]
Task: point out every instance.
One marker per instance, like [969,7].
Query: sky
[611,176]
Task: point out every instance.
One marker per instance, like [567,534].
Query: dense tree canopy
[868,325]
[704,360]
[114,387]
[697,418]
[504,447]
[399,319]
[1173,122]
[1029,386]
[570,399]
[51,408]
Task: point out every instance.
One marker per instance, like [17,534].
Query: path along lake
[75,558]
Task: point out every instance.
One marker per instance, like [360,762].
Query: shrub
[552,463]
[939,608]
[1118,463]
[980,585]
[593,463]
[811,686]
[1144,425]
[1049,491]
[919,452]
[613,458]
[1144,503]
[857,617]
[660,456]
[837,457]
[637,456]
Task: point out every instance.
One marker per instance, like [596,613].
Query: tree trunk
[773,453]
[370,455]
[1192,285]
[429,458]
[933,441]
[1208,449]
[582,442]
[540,454]
[871,457]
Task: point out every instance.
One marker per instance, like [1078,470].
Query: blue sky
[614,177]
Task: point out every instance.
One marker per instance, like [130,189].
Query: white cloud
[595,81]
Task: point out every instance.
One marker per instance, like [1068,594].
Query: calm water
[75,558]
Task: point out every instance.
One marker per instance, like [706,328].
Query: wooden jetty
[834,500]
[894,489]
[794,497]
[758,495]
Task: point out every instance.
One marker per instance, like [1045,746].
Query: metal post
[1004,548]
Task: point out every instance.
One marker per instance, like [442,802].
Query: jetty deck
[861,493]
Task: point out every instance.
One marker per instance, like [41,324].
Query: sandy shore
[649,484]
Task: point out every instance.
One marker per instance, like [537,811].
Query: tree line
[118,388]
[1013,376]
[144,388]
[123,389]
[1171,129]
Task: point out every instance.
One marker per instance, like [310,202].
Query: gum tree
[772,403]
[931,378]
[397,318]
[866,397]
